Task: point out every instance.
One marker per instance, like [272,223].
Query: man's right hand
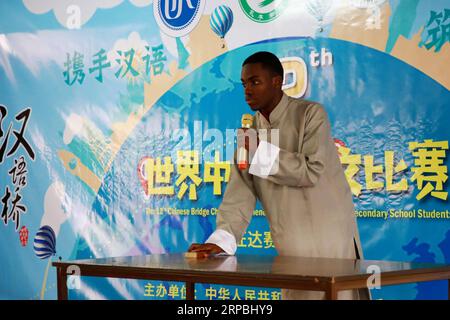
[210,248]
[250,141]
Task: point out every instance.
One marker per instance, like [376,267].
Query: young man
[304,192]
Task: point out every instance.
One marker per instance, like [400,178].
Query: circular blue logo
[178,17]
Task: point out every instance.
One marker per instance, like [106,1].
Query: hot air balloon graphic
[23,236]
[44,247]
[318,9]
[221,21]
[45,242]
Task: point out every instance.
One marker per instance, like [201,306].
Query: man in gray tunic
[301,185]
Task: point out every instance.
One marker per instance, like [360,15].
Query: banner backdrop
[118,123]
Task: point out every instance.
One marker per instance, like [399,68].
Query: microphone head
[247,120]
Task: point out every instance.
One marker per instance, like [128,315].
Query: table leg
[190,291]
[331,292]
[62,283]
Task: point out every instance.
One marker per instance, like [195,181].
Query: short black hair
[268,61]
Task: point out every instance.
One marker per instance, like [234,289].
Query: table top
[259,265]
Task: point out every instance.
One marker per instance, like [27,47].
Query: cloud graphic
[5,50]
[74,127]
[64,9]
[55,203]
[134,41]
[141,3]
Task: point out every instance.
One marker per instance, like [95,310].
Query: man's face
[260,86]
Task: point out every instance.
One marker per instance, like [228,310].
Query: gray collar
[276,113]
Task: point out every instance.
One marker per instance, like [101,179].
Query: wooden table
[317,274]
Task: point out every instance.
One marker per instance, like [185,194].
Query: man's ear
[277,81]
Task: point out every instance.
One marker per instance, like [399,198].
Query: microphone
[242,154]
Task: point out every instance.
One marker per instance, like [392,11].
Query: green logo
[263,10]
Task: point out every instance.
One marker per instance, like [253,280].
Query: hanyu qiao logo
[177,18]
[262,11]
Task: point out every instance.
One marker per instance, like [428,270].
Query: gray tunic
[308,201]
